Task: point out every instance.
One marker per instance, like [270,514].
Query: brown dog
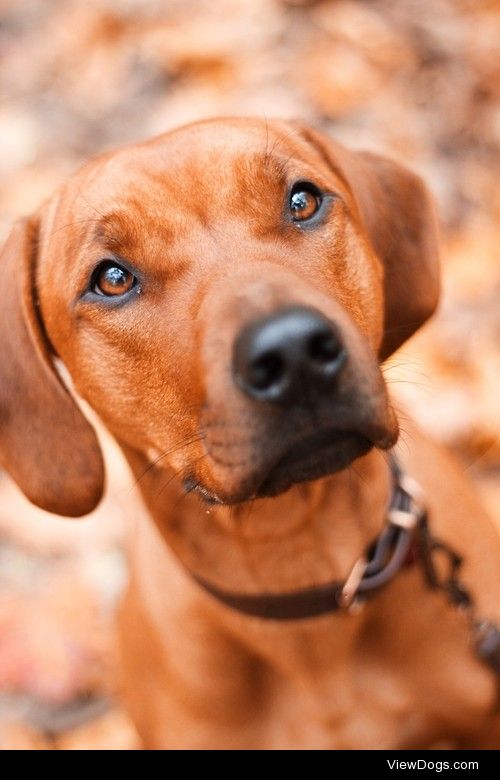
[222,296]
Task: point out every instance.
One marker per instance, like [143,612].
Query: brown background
[417,79]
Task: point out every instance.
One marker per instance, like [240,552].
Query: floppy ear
[46,444]
[398,215]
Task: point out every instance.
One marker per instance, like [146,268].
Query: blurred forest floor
[416,79]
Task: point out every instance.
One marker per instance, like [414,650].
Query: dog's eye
[111,279]
[305,200]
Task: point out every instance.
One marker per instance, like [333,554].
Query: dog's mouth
[309,458]
[314,457]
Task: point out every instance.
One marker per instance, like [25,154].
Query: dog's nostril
[266,371]
[324,348]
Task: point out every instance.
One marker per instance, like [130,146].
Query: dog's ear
[46,444]
[397,212]
[399,217]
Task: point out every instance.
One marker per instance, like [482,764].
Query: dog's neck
[311,534]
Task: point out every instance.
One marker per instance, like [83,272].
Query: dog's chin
[314,457]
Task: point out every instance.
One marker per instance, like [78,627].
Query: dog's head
[222,297]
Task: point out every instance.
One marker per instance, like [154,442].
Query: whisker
[280,140]
[71,224]
[90,205]
[185,493]
[178,474]
[167,483]
[411,365]
[185,443]
[427,388]
[403,438]
[359,476]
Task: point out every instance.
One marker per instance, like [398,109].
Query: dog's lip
[312,444]
[313,457]
[309,457]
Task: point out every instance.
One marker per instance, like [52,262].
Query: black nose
[280,357]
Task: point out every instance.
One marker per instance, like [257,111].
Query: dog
[223,297]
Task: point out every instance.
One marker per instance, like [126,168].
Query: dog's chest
[397,677]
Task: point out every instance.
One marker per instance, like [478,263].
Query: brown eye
[111,279]
[305,201]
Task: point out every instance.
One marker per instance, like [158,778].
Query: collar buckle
[350,588]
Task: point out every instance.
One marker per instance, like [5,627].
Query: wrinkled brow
[276,166]
[114,230]
[124,228]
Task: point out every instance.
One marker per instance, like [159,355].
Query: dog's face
[221,296]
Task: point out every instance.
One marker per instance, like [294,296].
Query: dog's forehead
[229,176]
[232,166]
[225,138]
[216,155]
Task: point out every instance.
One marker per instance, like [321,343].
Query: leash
[406,540]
